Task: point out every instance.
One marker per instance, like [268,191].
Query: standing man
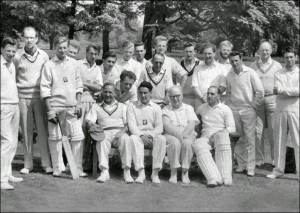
[109,69]
[159,78]
[10,113]
[127,62]
[217,123]
[146,127]
[140,52]
[245,93]
[189,64]
[29,63]
[92,83]
[126,90]
[61,89]
[286,89]
[111,117]
[225,48]
[179,121]
[74,48]
[209,73]
[266,68]
[179,75]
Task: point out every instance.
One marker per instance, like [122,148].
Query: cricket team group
[177,110]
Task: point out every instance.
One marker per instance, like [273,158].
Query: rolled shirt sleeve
[92,114]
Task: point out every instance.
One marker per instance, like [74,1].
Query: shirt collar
[86,62]
[227,61]
[113,103]
[245,69]
[268,62]
[296,69]
[162,70]
[23,51]
[213,64]
[178,109]
[218,105]
[141,104]
[3,60]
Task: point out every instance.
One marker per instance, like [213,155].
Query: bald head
[265,50]
[175,95]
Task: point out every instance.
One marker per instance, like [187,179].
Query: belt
[111,128]
[10,104]
[269,95]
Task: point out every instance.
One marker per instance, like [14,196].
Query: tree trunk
[72,15]
[105,41]
[148,29]
[51,41]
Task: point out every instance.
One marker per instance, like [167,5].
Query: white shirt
[206,76]
[113,75]
[133,66]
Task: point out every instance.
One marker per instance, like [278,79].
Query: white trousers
[245,122]
[33,114]
[265,116]
[158,152]
[122,143]
[10,117]
[72,128]
[285,123]
[180,154]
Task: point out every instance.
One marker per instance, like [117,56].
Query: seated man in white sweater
[111,116]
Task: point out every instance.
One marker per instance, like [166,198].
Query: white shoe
[240,170]
[15,179]
[82,174]
[273,175]
[56,173]
[6,186]
[154,177]
[48,170]
[173,178]
[213,183]
[250,173]
[104,176]
[227,182]
[185,177]
[25,171]
[141,177]
[127,176]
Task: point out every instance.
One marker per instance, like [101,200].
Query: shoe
[173,178]
[6,186]
[185,177]
[15,179]
[127,176]
[212,183]
[273,175]
[154,177]
[259,163]
[141,177]
[240,170]
[228,183]
[48,170]
[56,173]
[250,173]
[25,171]
[104,176]
[82,174]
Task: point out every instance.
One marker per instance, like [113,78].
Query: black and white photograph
[149,106]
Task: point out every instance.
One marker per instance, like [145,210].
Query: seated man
[217,123]
[179,121]
[146,126]
[111,116]
[126,91]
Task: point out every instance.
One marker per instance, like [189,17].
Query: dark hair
[188,45]
[128,74]
[31,28]
[147,85]
[8,40]
[108,84]
[94,46]
[139,44]
[109,54]
[289,49]
[210,45]
[217,88]
[235,53]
